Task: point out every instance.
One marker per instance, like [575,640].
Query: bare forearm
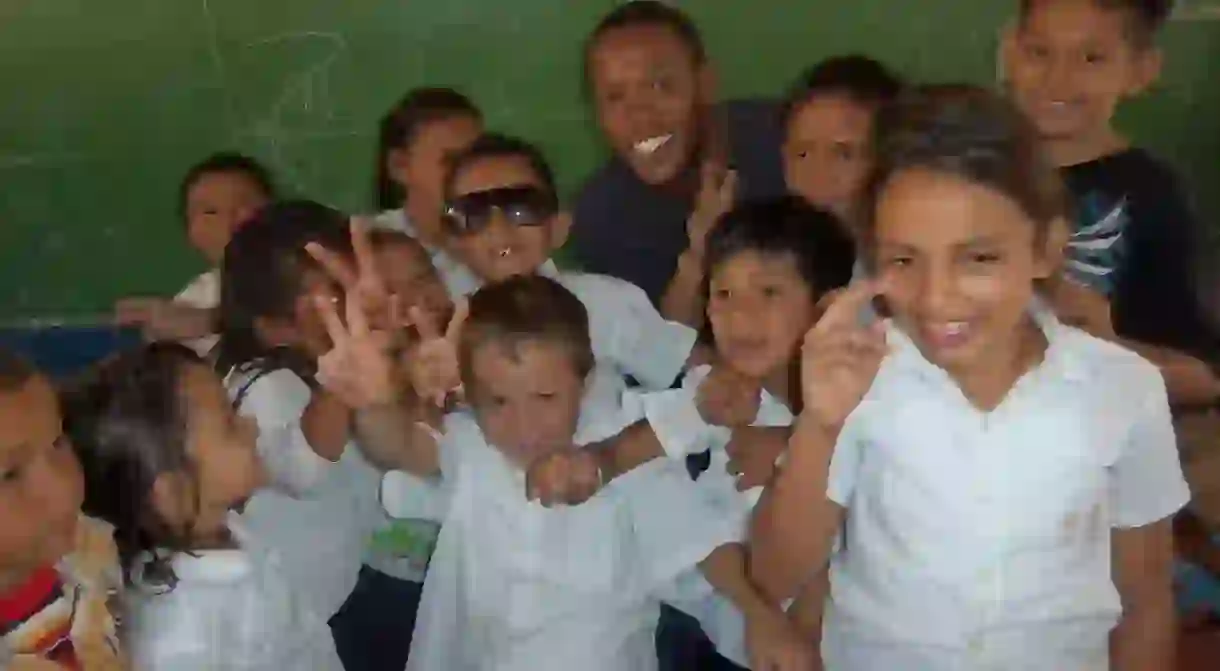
[810,604]
[634,447]
[393,437]
[1189,381]
[683,301]
[1146,637]
[326,424]
[725,570]
[795,524]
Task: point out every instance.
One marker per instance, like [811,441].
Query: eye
[984,257]
[10,475]
[1094,58]
[899,261]
[721,294]
[546,395]
[844,151]
[771,291]
[1036,51]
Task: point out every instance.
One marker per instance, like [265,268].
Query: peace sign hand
[432,365]
[840,358]
[362,282]
[359,368]
[717,192]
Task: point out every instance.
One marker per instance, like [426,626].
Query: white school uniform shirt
[204,293]
[517,587]
[981,541]
[228,609]
[680,428]
[316,514]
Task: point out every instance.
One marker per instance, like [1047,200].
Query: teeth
[652,144]
[955,328]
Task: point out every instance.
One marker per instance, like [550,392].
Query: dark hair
[381,237]
[401,126]
[15,371]
[970,133]
[645,13]
[816,240]
[225,163]
[127,420]
[862,79]
[1145,18]
[524,309]
[261,276]
[495,145]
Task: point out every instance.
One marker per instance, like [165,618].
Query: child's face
[221,444]
[1071,62]
[648,91]
[959,262]
[41,487]
[759,307]
[827,153]
[512,238]
[409,274]
[420,168]
[526,396]
[216,205]
[304,328]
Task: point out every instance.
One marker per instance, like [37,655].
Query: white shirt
[229,609]
[317,515]
[204,293]
[680,428]
[980,540]
[514,586]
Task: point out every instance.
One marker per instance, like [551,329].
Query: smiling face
[1071,62]
[649,93]
[960,262]
[216,205]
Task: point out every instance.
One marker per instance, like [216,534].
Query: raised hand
[360,368]
[163,319]
[432,364]
[361,282]
[840,358]
[717,193]
[753,451]
[726,398]
[568,477]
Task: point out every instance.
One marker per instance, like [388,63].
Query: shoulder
[276,396]
[203,291]
[1132,172]
[1119,373]
[591,288]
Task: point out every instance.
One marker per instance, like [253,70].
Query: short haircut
[1145,18]
[528,308]
[817,241]
[15,371]
[229,163]
[973,134]
[646,14]
[864,80]
[495,145]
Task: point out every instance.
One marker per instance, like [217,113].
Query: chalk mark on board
[39,161]
[213,32]
[303,94]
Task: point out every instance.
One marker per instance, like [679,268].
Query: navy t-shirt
[1136,240]
[635,231]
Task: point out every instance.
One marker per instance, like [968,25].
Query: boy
[58,570]
[1069,64]
[652,88]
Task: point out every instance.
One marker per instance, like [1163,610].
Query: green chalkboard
[107,103]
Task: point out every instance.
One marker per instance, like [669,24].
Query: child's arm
[162,319]
[326,424]
[684,300]
[1146,636]
[810,605]
[398,436]
[772,641]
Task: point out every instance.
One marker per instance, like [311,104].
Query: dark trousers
[373,628]
[682,645]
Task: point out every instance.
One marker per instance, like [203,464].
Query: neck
[1069,151]
[987,385]
[426,220]
[779,385]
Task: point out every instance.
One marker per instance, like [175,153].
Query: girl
[418,135]
[218,195]
[165,460]
[320,507]
[1006,482]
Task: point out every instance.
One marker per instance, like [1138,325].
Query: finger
[424,323]
[357,319]
[325,306]
[728,189]
[844,310]
[366,258]
[337,267]
[461,311]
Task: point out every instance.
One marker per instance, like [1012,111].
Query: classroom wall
[107,103]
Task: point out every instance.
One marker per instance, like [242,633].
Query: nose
[937,287]
[499,230]
[1059,74]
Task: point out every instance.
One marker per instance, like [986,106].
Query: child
[319,510]
[652,89]
[769,263]
[418,136]
[828,127]
[166,460]
[1070,63]
[1006,481]
[58,570]
[513,583]
[217,196]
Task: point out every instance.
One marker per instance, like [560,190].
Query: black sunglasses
[519,205]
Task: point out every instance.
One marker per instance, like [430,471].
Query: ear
[173,498]
[1148,67]
[397,165]
[1054,249]
[560,226]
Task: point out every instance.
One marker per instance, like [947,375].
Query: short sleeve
[845,463]
[276,401]
[1146,481]
[674,417]
[642,343]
